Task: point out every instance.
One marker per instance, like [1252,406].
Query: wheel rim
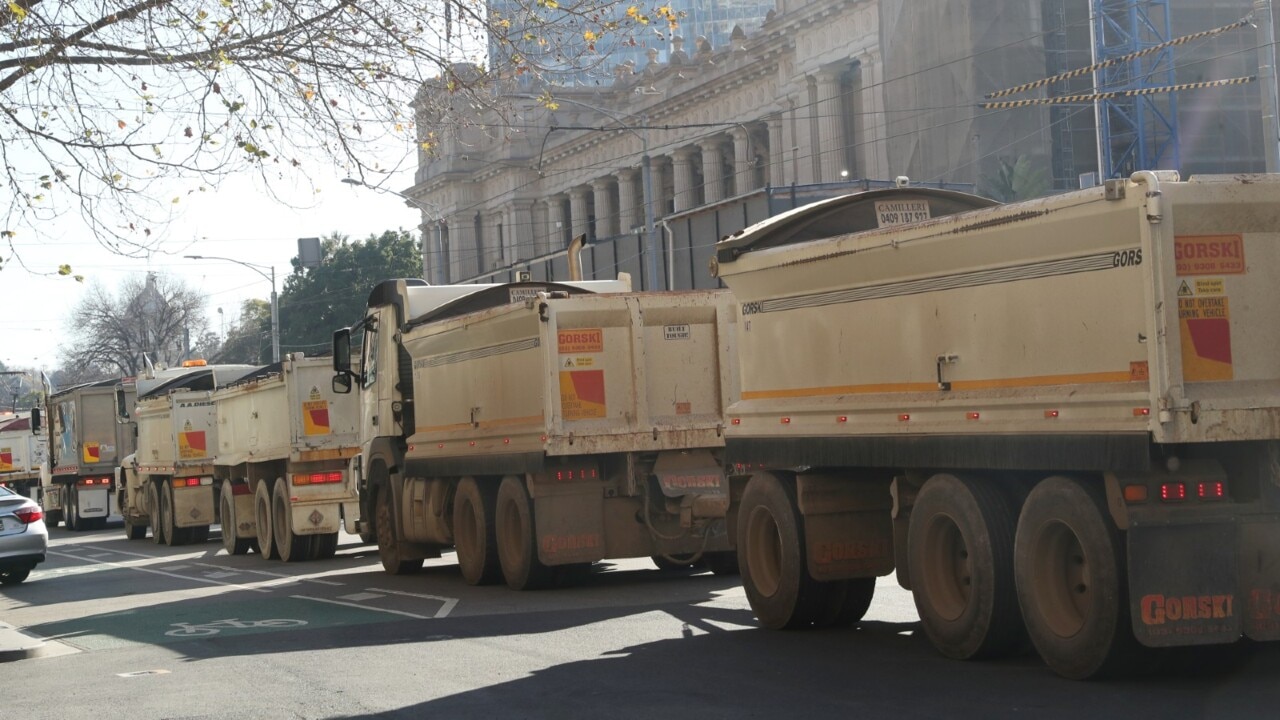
[764,551]
[1062,588]
[948,572]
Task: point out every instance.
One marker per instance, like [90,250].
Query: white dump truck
[90,430]
[168,484]
[22,451]
[1057,420]
[539,427]
[284,443]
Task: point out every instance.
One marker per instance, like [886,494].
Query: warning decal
[587,340]
[191,445]
[6,459]
[1209,254]
[92,453]
[315,417]
[582,394]
[1206,338]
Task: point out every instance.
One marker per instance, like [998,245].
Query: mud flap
[1260,578]
[570,527]
[246,517]
[193,506]
[1184,583]
[848,527]
[320,519]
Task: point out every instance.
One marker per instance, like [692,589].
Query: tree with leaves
[155,316]
[319,300]
[115,110]
[249,339]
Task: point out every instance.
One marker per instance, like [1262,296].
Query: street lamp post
[437,267]
[275,300]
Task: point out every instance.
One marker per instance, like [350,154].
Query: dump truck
[168,484]
[1055,420]
[90,430]
[22,451]
[539,427]
[284,443]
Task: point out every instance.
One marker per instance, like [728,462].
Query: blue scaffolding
[1135,133]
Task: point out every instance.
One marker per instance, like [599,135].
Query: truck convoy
[22,452]
[539,427]
[90,430]
[284,442]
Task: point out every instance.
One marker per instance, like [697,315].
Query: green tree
[317,301]
[114,110]
[248,340]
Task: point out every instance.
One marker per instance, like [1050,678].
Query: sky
[237,221]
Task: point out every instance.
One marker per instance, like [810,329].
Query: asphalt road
[144,631]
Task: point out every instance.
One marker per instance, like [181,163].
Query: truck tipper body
[168,483]
[541,427]
[284,444]
[1056,420]
[22,452]
[90,430]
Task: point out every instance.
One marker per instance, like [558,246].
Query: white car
[23,536]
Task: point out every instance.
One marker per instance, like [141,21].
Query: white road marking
[177,567]
[362,607]
[220,575]
[169,574]
[360,597]
[98,555]
[295,578]
[447,602]
[142,673]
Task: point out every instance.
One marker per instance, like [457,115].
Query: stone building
[826,96]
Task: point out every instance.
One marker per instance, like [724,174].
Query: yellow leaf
[18,11]
[589,36]
[64,269]
[175,200]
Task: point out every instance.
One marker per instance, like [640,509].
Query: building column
[682,167]
[873,146]
[831,141]
[462,246]
[518,230]
[555,224]
[540,234]
[606,218]
[627,208]
[712,172]
[777,153]
[579,218]
[743,169]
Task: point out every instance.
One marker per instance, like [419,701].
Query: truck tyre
[721,563]
[393,561]
[960,558]
[771,556]
[133,531]
[52,518]
[153,509]
[517,538]
[324,546]
[474,533]
[1069,565]
[845,602]
[173,535]
[290,546]
[675,562]
[262,516]
[230,525]
[73,503]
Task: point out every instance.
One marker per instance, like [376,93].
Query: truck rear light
[1135,493]
[904,417]
[319,478]
[189,482]
[1213,490]
[1173,492]
[974,416]
[572,474]
[87,482]
[1141,412]
[1050,414]
[28,515]
[842,419]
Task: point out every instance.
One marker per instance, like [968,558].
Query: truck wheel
[198,535]
[290,546]
[474,533]
[173,535]
[721,563]
[154,511]
[52,518]
[324,546]
[771,557]
[517,545]
[262,516]
[73,517]
[960,558]
[133,531]
[1070,573]
[675,562]
[388,545]
[230,525]
[846,602]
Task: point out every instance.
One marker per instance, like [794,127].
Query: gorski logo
[752,308]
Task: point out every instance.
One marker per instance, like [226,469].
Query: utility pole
[1262,17]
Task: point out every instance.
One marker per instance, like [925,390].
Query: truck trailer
[539,427]
[284,443]
[1055,420]
[90,430]
[22,452]
[167,484]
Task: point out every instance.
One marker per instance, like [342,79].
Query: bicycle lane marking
[263,587]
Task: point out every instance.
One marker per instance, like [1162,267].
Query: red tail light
[29,515]
[1214,490]
[1173,492]
[319,478]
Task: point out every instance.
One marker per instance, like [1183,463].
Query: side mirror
[342,384]
[35,420]
[122,404]
[342,351]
